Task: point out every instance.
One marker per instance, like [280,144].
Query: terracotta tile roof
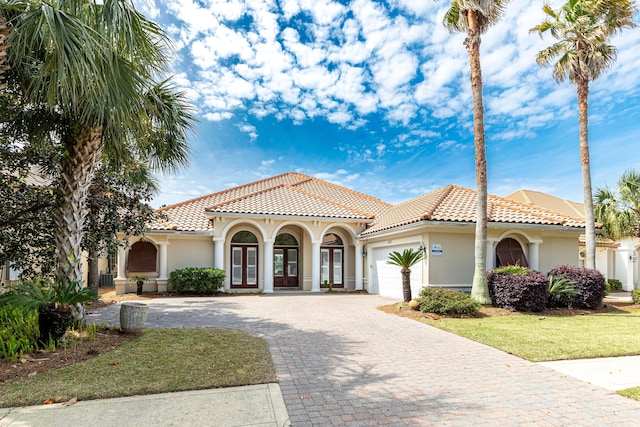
[291,194]
[457,204]
[548,201]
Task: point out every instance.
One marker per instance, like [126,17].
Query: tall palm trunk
[589,216]
[4,33]
[479,288]
[77,172]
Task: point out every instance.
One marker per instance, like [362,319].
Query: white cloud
[303,59]
[249,130]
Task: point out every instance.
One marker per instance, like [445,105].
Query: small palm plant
[56,304]
[405,260]
[561,291]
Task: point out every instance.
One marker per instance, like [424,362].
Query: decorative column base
[162,285]
[121,286]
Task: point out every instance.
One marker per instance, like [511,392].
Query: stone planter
[133,315]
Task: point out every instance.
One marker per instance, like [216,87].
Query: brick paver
[341,362]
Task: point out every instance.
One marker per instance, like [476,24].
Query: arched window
[142,258]
[509,252]
[286,239]
[331,239]
[244,237]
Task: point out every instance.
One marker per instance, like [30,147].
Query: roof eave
[210,214]
[432,223]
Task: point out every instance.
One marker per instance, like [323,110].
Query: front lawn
[542,337]
[159,361]
[614,331]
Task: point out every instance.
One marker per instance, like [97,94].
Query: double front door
[244,266]
[285,267]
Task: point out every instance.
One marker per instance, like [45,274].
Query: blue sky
[375,96]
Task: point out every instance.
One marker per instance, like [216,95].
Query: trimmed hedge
[635,296]
[196,280]
[614,284]
[446,302]
[518,289]
[589,282]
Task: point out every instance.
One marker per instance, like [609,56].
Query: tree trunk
[93,276]
[480,287]
[589,216]
[5,30]
[78,166]
[406,284]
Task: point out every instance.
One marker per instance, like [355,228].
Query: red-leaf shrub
[588,281]
[525,290]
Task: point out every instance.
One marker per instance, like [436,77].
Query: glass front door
[285,267]
[244,267]
[331,263]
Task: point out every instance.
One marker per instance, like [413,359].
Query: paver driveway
[341,362]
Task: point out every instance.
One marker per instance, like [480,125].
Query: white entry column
[268,267]
[164,267]
[218,253]
[122,263]
[359,264]
[534,255]
[120,281]
[315,267]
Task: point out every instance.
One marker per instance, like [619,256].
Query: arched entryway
[332,261]
[285,261]
[244,260]
[510,252]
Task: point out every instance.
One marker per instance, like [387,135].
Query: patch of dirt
[608,306]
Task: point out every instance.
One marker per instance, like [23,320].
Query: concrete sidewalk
[255,406]
[612,373]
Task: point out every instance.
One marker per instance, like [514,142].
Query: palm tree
[583,29]
[619,211]
[5,30]
[94,68]
[405,260]
[474,17]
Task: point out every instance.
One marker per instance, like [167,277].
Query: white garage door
[387,279]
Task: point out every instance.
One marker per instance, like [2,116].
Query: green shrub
[512,269]
[614,284]
[18,332]
[196,280]
[635,296]
[445,301]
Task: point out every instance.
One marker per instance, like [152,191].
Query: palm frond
[406,259]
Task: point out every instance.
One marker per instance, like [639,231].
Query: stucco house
[614,259]
[293,231]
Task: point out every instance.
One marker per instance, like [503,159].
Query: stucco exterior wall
[558,250]
[190,252]
[456,264]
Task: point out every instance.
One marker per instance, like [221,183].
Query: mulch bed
[608,306]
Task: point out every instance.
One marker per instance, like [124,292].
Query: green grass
[160,360]
[631,393]
[543,338]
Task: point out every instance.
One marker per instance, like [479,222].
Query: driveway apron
[341,362]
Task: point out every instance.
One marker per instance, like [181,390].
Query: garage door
[387,279]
